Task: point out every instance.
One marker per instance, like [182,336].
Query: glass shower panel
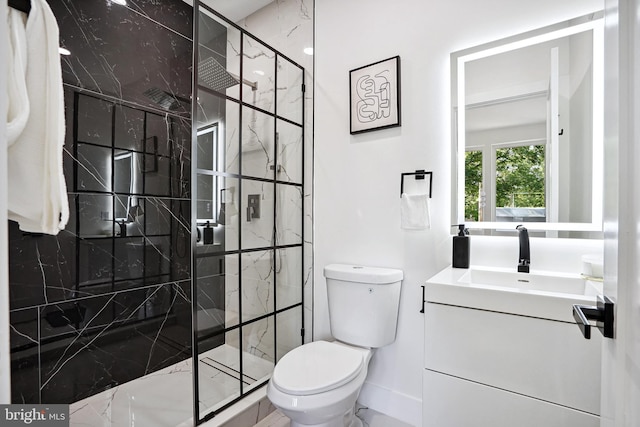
[289,152]
[224,115]
[206,202]
[258,72]
[289,214]
[256,214]
[94,168]
[229,213]
[217,311]
[288,277]
[258,147]
[218,55]
[248,159]
[92,220]
[257,284]
[258,352]
[289,92]
[207,144]
[288,325]
[210,311]
[219,380]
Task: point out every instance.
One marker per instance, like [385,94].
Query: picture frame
[374,96]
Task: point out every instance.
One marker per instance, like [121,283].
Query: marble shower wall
[287,25]
[108,299]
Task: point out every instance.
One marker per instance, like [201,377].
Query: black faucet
[524,258]
[123,228]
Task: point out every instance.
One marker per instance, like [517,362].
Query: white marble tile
[257,284]
[287,25]
[289,151]
[369,417]
[258,66]
[255,367]
[275,419]
[229,414]
[288,324]
[289,91]
[258,350]
[258,146]
[265,407]
[136,402]
[289,215]
[247,417]
[216,387]
[257,232]
[288,277]
[372,418]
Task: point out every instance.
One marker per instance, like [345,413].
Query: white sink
[536,282]
[541,294]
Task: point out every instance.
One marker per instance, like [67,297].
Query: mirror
[126,180]
[528,146]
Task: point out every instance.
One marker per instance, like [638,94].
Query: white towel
[414,212]
[18,99]
[37,190]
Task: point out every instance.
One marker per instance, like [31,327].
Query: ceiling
[236,10]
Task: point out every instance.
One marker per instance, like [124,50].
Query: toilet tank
[363,303]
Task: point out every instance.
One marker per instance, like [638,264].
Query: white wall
[5,384]
[357,178]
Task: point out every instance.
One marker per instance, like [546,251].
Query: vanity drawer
[454,402]
[540,358]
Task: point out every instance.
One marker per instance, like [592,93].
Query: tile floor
[369,417]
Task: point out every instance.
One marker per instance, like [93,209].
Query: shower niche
[248,197]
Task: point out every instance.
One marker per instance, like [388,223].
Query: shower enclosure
[178,282]
[247,205]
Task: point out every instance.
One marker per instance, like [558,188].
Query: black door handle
[602,314]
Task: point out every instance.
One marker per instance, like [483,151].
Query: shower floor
[164,398]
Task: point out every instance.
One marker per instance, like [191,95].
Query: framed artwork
[374,95]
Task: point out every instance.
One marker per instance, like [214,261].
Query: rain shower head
[214,76]
[162,98]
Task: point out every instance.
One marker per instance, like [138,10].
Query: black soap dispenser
[207,232]
[461,250]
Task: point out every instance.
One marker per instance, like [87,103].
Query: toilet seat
[317,367]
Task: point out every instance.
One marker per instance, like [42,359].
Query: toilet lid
[316,367]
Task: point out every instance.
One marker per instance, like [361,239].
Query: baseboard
[392,403]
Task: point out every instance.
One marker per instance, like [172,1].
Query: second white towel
[414,212]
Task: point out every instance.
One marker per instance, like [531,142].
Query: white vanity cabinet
[489,368]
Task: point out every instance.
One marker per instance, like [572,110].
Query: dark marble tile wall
[108,299]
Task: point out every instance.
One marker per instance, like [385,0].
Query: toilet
[317,384]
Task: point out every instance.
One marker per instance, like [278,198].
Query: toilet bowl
[317,384]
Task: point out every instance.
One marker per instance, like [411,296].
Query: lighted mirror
[528,144]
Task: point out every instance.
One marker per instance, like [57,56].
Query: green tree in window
[520,176]
[472,183]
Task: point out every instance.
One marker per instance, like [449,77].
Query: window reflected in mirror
[520,184]
[474,195]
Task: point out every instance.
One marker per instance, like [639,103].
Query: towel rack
[419,174]
[21,5]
